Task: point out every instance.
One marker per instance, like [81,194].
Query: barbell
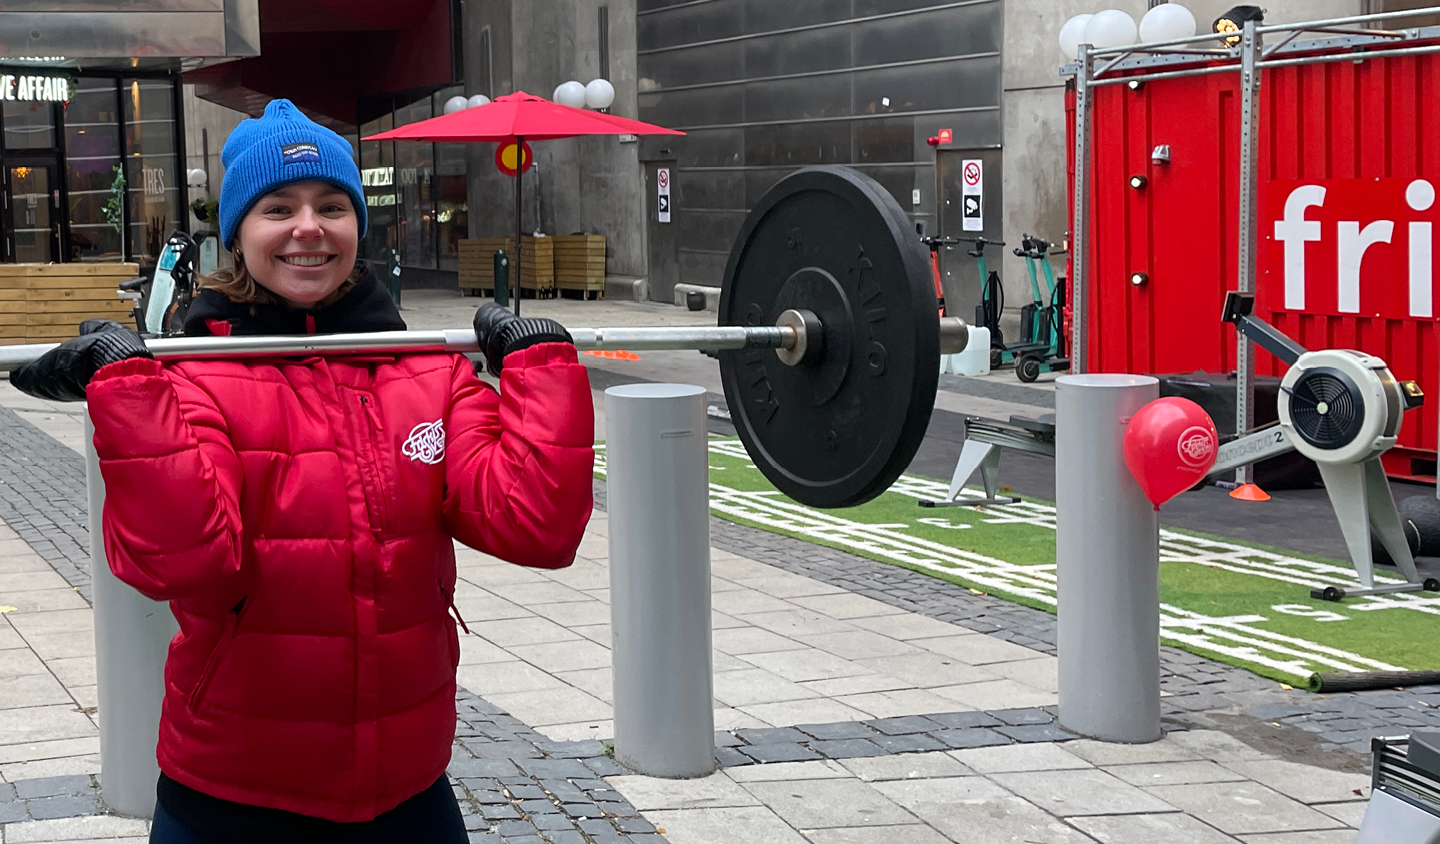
[829,338]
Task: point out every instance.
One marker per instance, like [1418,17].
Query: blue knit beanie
[281,148]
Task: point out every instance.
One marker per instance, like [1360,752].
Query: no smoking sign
[972,195]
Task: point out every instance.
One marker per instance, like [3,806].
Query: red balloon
[1170,445]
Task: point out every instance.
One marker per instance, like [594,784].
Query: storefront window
[94,179]
[150,153]
[29,125]
[414,173]
[377,175]
[451,222]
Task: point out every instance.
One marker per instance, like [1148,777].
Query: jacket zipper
[222,647]
[380,505]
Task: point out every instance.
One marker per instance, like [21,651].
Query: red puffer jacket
[298,516]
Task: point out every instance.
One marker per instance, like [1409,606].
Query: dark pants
[430,817]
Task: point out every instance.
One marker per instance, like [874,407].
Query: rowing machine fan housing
[1340,406]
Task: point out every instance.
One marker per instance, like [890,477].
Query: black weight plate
[838,432]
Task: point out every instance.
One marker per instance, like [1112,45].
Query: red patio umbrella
[518,117]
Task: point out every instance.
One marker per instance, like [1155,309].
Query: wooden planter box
[537,262]
[45,303]
[580,263]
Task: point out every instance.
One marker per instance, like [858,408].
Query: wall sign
[662,184]
[972,195]
[54,89]
[1351,246]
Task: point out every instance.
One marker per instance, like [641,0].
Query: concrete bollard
[1107,547]
[657,477]
[132,639]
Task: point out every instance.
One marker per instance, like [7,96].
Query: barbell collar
[462,340]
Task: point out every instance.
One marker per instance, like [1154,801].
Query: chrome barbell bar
[797,332]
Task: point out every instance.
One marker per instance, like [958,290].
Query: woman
[298,513]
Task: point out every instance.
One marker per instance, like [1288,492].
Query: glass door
[32,198]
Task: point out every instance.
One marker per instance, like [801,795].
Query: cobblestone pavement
[527,776]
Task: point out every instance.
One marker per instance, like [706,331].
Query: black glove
[499,332]
[62,373]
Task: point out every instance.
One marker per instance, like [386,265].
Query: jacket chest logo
[426,442]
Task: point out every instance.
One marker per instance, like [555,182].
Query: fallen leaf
[1287,687]
[4,609]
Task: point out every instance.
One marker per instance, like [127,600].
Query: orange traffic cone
[1249,492]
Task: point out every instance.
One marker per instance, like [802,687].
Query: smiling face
[299,241]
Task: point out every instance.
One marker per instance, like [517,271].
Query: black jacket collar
[367,307]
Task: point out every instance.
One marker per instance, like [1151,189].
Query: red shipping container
[1349,164]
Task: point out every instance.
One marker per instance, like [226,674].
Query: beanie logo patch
[301,152]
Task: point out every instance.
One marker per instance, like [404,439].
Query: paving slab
[1333,836]
[1173,828]
[75,829]
[1305,783]
[652,793]
[1019,758]
[999,819]
[907,834]
[818,803]
[1111,753]
[824,769]
[898,703]
[1243,807]
[1081,792]
[906,766]
[1173,773]
[724,826]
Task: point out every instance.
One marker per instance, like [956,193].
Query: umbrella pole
[515,261]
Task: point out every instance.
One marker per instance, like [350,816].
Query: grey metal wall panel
[708,64]
[797,144]
[116,34]
[944,32]
[806,98]
[706,230]
[712,189]
[722,147]
[885,141]
[807,51]
[702,267]
[694,107]
[767,86]
[32,7]
[685,25]
[967,84]
[770,15]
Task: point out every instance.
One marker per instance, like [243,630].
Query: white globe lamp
[599,94]
[195,178]
[1071,35]
[1110,28]
[1167,22]
[477,100]
[456,103]
[570,94]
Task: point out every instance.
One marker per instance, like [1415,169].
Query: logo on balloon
[1158,434]
[1197,446]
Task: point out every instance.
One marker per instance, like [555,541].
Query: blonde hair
[240,287]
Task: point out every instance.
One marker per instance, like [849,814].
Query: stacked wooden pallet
[477,262]
[45,303]
[537,263]
[580,263]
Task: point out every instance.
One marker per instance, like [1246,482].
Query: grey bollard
[1107,553]
[132,638]
[658,490]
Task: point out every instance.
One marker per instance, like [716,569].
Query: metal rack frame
[1200,55]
